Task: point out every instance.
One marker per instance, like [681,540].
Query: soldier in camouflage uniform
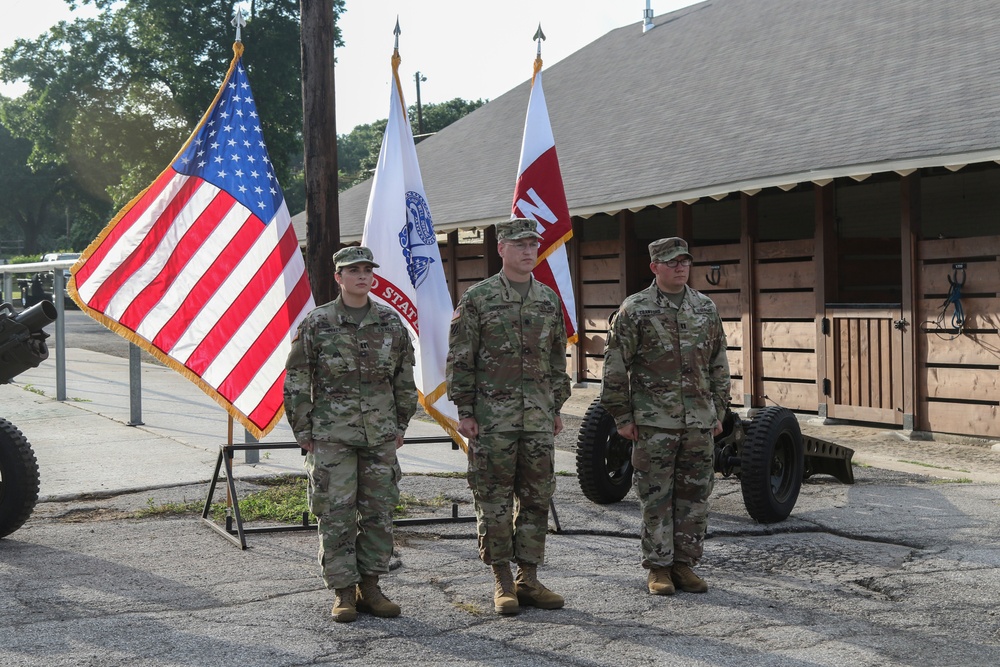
[666,383]
[507,375]
[349,396]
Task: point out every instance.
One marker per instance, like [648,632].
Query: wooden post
[753,382]
[631,255]
[319,134]
[685,222]
[578,357]
[825,261]
[909,235]
[451,257]
[490,254]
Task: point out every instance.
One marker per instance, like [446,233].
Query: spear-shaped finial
[396,32]
[239,19]
[539,36]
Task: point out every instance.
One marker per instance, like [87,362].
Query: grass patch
[33,389]
[282,500]
[958,480]
[408,502]
[152,510]
[468,608]
[929,465]
[442,475]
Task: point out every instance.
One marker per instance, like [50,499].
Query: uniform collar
[511,294]
[340,310]
[661,298]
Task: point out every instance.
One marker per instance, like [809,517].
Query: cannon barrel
[22,339]
[38,316]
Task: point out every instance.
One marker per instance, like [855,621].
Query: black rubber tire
[18,479]
[603,458]
[772,462]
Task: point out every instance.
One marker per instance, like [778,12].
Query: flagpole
[539,37]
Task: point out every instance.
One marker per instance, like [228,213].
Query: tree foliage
[112,99]
[357,151]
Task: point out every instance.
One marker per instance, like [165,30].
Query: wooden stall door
[864,375]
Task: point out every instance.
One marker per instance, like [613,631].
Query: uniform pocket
[640,459]
[319,490]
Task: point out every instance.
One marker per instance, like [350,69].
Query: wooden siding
[786,309]
[601,292]
[958,373]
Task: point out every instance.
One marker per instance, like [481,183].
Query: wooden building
[834,166]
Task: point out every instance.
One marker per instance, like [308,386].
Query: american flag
[203,269]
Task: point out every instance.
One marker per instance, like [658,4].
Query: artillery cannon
[767,452]
[22,346]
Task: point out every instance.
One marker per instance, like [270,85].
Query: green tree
[111,99]
[357,151]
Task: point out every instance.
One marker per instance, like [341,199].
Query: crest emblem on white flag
[399,230]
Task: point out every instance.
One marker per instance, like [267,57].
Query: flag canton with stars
[229,150]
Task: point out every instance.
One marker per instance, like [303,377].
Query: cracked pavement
[898,569]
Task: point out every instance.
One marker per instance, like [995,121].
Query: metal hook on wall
[715,276]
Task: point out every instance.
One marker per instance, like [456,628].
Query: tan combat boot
[344,608]
[686,580]
[531,592]
[504,597]
[659,582]
[371,599]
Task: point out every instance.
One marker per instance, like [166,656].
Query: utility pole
[418,77]
[319,134]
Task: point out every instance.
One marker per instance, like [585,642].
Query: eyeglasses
[523,245]
[674,263]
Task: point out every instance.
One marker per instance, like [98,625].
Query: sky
[472,49]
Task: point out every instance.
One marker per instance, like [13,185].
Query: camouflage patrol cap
[518,228]
[665,250]
[353,255]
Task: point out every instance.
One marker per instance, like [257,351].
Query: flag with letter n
[400,233]
[539,195]
[202,269]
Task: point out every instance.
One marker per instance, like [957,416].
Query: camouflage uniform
[507,369]
[349,389]
[665,370]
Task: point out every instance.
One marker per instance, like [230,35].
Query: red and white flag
[202,269]
[539,195]
[410,278]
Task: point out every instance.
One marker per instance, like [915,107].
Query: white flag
[539,195]
[410,278]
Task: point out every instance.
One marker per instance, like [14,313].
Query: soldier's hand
[307,445]
[469,427]
[716,428]
[629,432]
[559,425]
[399,441]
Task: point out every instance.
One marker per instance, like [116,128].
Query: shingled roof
[727,96]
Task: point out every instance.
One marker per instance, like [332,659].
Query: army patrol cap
[353,255]
[665,250]
[518,228]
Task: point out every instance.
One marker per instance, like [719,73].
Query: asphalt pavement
[900,568]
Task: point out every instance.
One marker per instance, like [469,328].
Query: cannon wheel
[603,458]
[18,479]
[771,464]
